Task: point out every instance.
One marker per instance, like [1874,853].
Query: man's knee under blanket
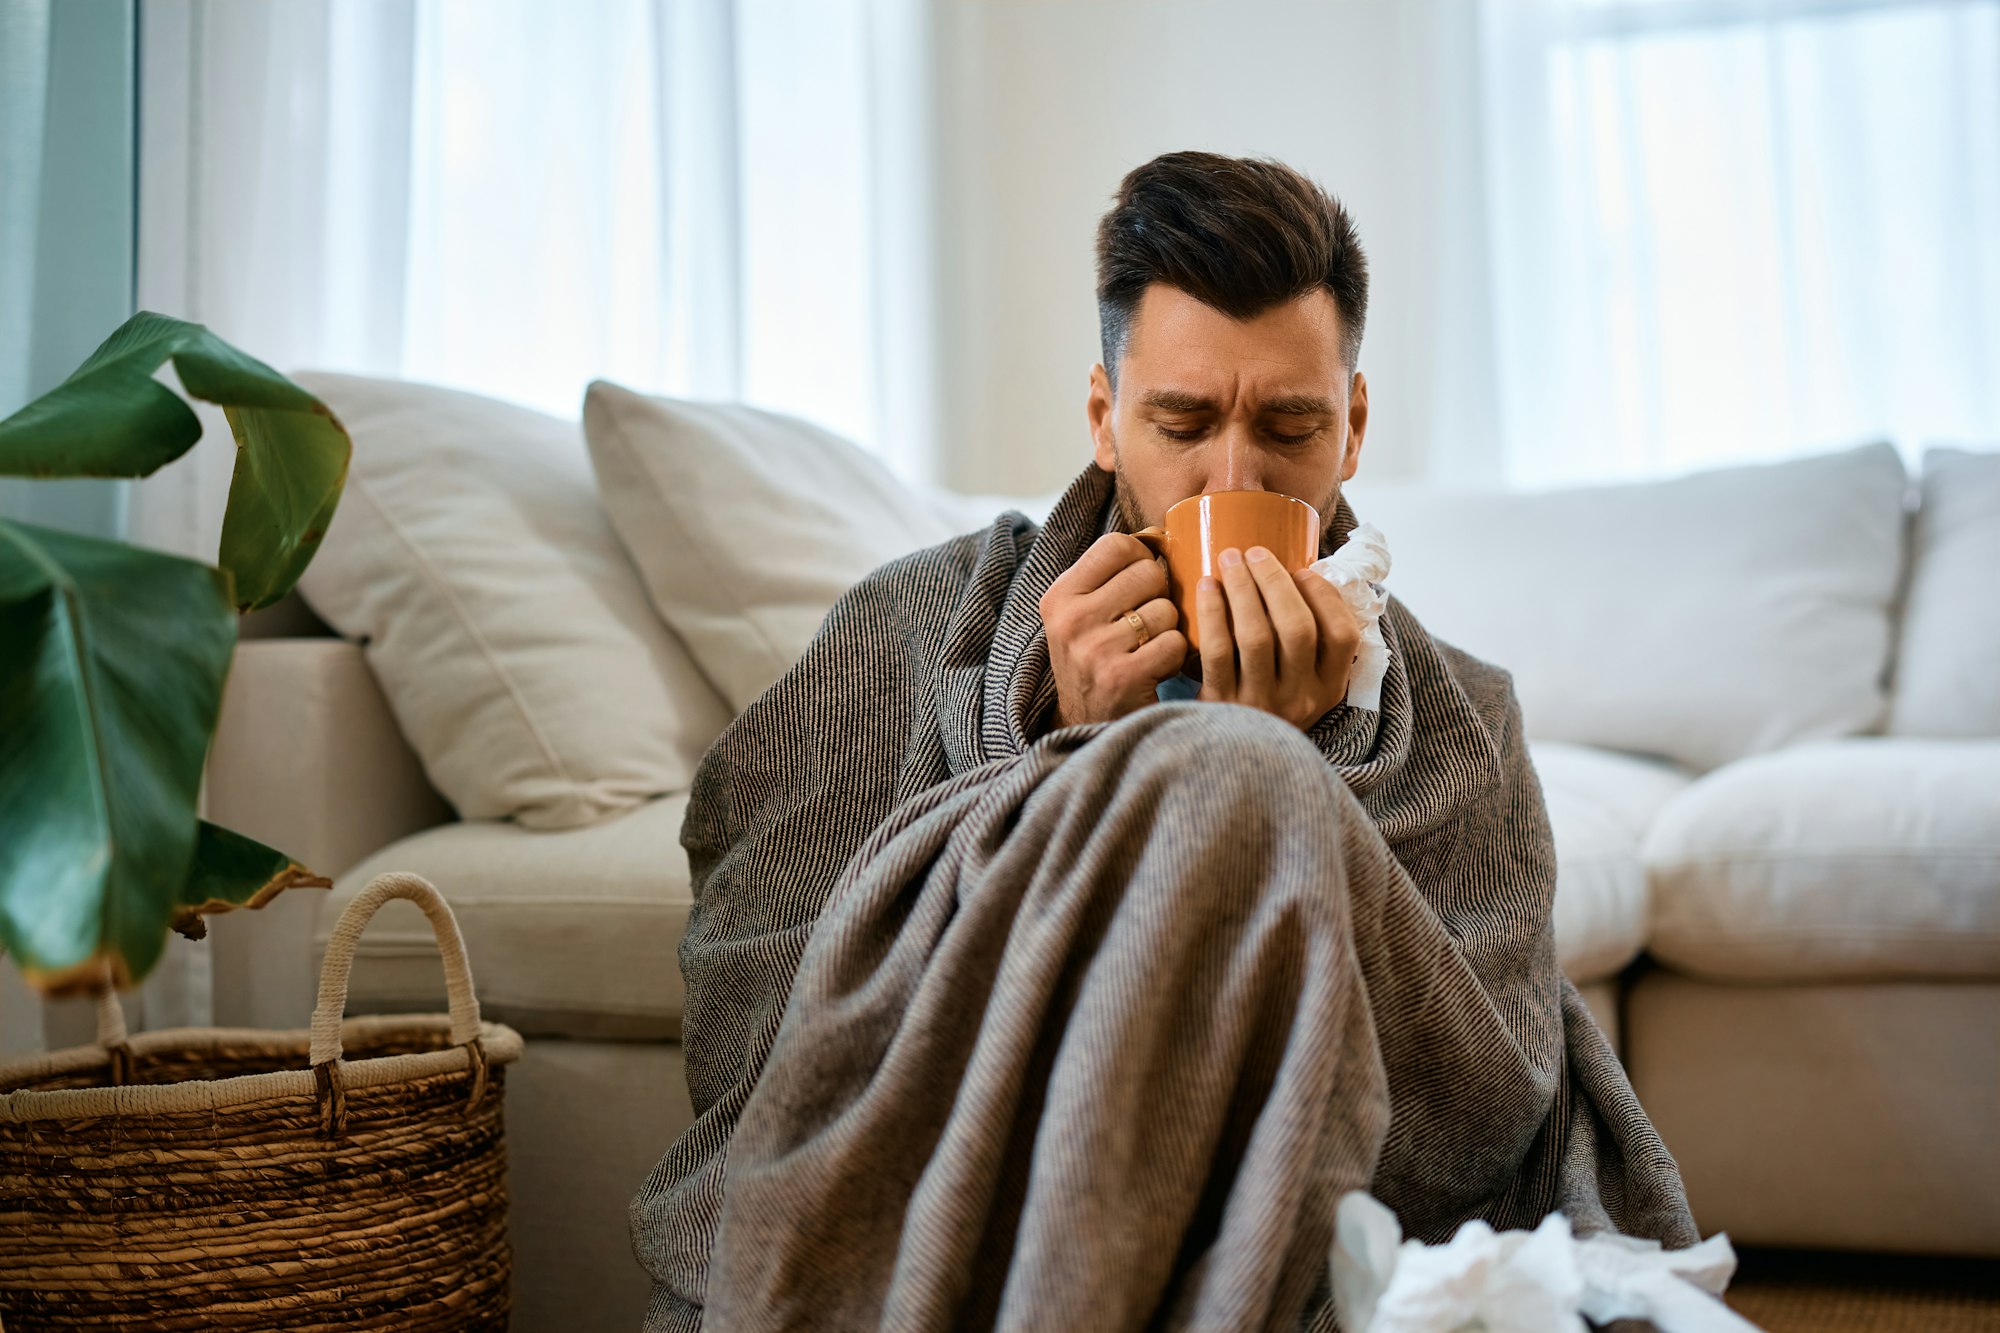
[1203,801]
[1209,759]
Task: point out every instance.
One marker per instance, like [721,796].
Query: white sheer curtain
[714,198]
[65,281]
[1728,230]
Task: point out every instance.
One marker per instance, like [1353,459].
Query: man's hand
[1104,667]
[1281,642]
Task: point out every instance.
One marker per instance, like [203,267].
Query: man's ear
[1098,408]
[1357,425]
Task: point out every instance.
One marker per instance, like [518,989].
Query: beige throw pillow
[1948,669]
[1702,618]
[506,625]
[747,525]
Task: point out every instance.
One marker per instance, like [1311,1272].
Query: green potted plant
[112,657]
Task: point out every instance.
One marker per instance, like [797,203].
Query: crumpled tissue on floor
[1540,1281]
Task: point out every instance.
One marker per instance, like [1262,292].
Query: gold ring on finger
[1138,622]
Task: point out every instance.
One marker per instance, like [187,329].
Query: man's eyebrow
[1285,405]
[1177,400]
[1299,405]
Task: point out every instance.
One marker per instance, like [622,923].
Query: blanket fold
[992,1028]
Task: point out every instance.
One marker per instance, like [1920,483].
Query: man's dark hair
[1236,233]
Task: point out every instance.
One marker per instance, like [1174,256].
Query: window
[1731,231]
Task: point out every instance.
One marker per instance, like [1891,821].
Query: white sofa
[1793,930]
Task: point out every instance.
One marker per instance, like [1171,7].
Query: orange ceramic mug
[1202,527]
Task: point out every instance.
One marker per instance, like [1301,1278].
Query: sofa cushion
[1600,805]
[504,622]
[746,525]
[573,933]
[1702,618]
[570,933]
[749,525]
[1948,660]
[1871,858]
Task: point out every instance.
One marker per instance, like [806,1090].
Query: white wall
[1045,105]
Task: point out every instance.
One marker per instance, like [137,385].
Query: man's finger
[1161,617]
[1134,585]
[1162,656]
[1097,566]
[1250,626]
[1218,648]
[1339,631]
[1292,621]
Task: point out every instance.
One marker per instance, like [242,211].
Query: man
[1018,997]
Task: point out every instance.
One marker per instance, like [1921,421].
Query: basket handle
[111,1034]
[340,960]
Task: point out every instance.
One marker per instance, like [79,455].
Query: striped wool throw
[996,1026]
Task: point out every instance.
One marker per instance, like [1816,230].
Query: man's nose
[1236,464]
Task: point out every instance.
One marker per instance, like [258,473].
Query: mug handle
[1154,538]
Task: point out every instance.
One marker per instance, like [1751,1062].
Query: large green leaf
[112,660]
[230,871]
[290,469]
[113,419]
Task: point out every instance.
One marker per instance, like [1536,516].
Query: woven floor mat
[1785,1291]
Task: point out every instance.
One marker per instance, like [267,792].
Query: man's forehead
[1181,345]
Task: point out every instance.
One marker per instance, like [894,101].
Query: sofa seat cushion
[1861,859]
[570,933]
[574,932]
[1600,806]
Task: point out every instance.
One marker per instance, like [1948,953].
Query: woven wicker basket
[352,1177]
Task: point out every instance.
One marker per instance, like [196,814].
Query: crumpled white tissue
[1540,1281]
[1357,570]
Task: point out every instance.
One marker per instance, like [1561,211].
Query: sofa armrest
[308,758]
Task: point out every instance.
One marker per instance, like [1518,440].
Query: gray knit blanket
[996,1025]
